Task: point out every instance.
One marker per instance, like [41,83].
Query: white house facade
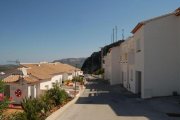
[150,59]
[157,55]
[115,66]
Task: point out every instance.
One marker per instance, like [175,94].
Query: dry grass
[9,111]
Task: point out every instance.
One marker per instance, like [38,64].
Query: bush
[31,108]
[45,103]
[78,79]
[18,116]
[99,72]
[57,95]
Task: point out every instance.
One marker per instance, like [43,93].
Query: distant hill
[4,68]
[92,63]
[72,61]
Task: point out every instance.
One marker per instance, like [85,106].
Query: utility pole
[113,35]
[116,29]
[122,34]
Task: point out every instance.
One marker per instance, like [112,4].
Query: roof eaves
[177,12]
[137,27]
[140,24]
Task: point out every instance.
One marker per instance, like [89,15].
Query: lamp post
[75,82]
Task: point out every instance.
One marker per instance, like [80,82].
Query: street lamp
[75,82]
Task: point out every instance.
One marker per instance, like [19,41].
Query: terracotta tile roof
[47,70]
[11,78]
[30,79]
[43,71]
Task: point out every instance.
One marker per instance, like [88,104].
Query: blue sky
[44,30]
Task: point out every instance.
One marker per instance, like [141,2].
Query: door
[32,91]
[138,81]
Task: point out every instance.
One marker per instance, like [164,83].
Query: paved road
[102,102]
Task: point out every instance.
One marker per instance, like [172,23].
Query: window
[126,57]
[103,62]
[120,58]
[138,45]
[122,76]
[131,75]
[47,87]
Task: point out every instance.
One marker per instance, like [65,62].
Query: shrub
[64,96]
[57,95]
[18,116]
[45,103]
[31,108]
[78,79]
[99,72]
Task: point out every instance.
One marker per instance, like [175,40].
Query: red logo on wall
[18,93]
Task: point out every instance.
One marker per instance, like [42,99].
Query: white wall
[115,64]
[161,57]
[44,85]
[70,77]
[24,90]
[127,64]
[178,25]
[65,76]
[139,60]
[80,72]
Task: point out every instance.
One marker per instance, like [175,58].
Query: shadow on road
[124,103]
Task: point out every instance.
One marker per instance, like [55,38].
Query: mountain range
[76,62]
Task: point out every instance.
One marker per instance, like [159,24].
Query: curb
[55,114]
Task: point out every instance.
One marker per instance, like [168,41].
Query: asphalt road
[103,102]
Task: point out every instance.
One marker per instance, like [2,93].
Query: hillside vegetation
[93,63]
[4,68]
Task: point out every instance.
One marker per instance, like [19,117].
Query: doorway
[138,81]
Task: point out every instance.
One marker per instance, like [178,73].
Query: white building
[111,64]
[127,64]
[36,78]
[150,60]
[114,61]
[157,57]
